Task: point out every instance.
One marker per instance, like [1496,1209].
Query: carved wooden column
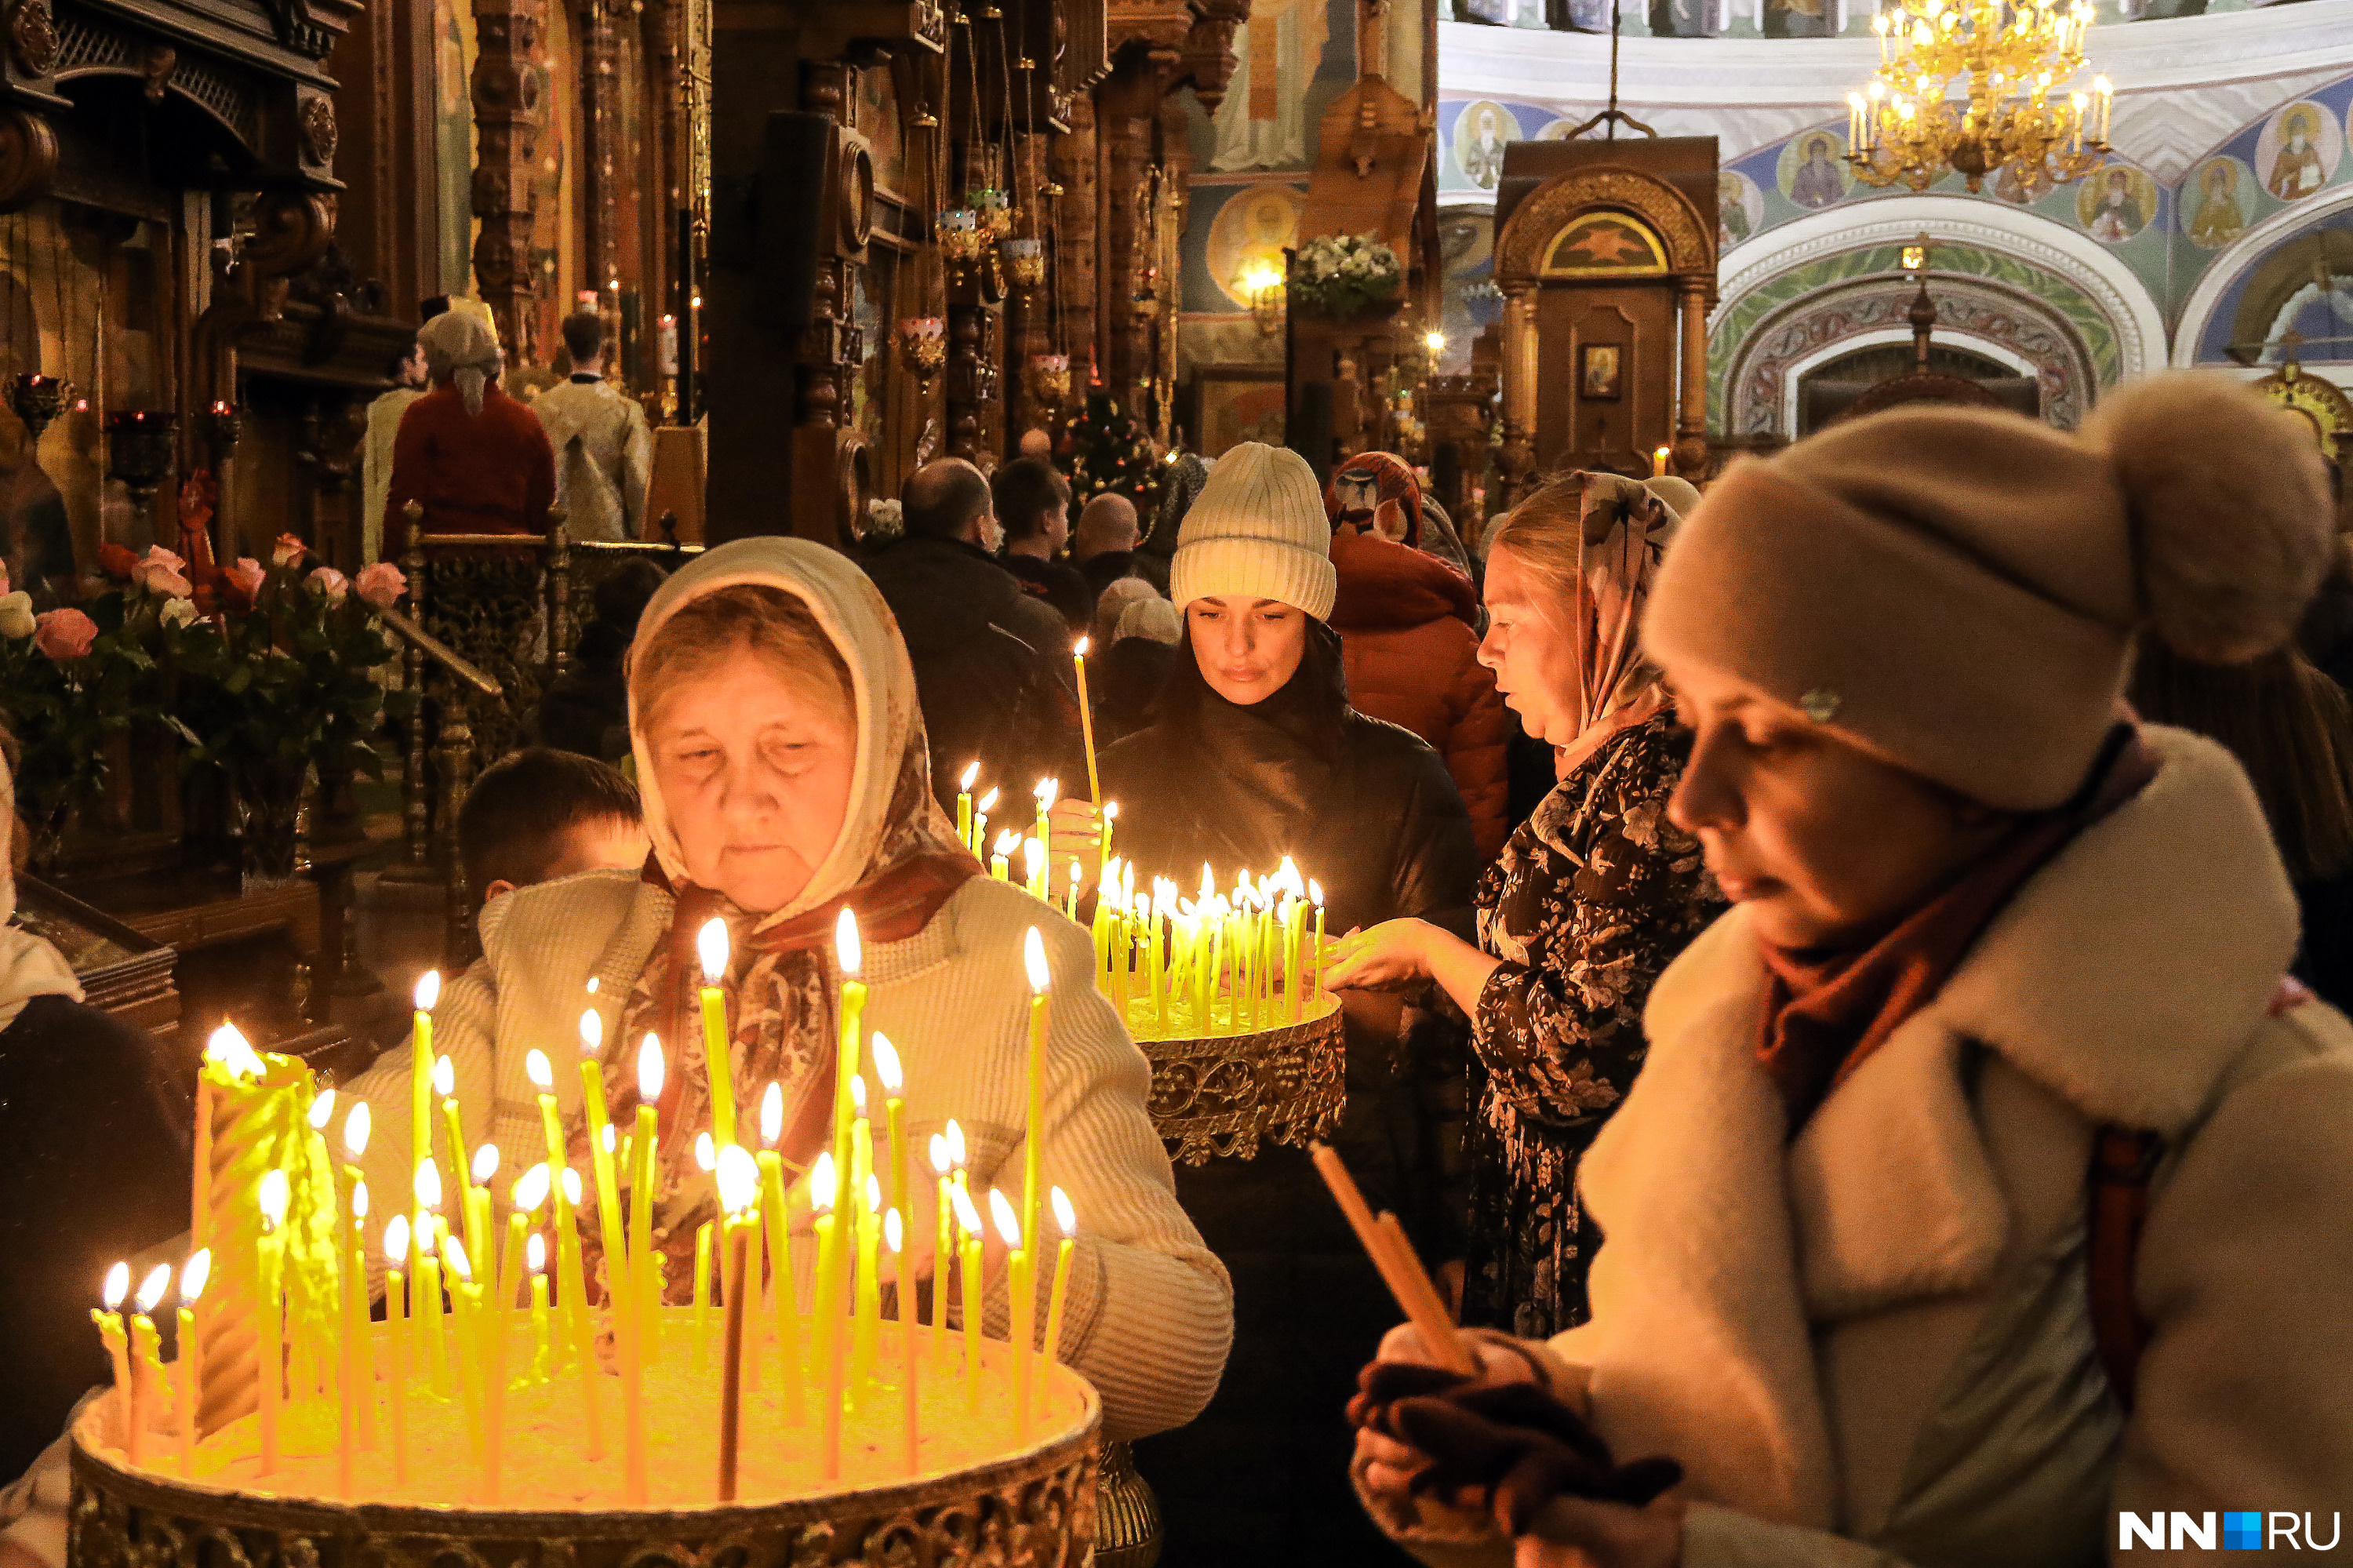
[1073,165]
[1518,455]
[1026,311]
[1127,113]
[1691,455]
[506,121]
[604,163]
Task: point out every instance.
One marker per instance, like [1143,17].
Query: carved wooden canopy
[1536,240]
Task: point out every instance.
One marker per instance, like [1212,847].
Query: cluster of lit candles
[453,1305]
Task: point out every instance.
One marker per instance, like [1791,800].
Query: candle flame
[534,1253]
[592,1031]
[117,1285]
[193,1274]
[1048,791]
[873,1193]
[152,1288]
[1007,842]
[1079,649]
[428,990]
[649,1070]
[460,1265]
[710,946]
[739,1179]
[359,1201]
[845,941]
[1075,874]
[1033,854]
[530,1188]
[321,1111]
[971,772]
[486,1164]
[858,1092]
[426,1234]
[988,801]
[1001,1212]
[886,1065]
[939,1154]
[1065,1216]
[822,1182]
[966,1215]
[894,1235]
[772,1114]
[955,1141]
[706,1155]
[1208,883]
[429,1184]
[536,1068]
[444,1076]
[1315,893]
[572,1186]
[357,1127]
[1033,957]
[272,1198]
[396,1241]
[227,1051]
[591,985]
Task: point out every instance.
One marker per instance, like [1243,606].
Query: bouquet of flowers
[1340,275]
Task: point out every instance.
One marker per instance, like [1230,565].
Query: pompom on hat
[1258,530]
[1959,589]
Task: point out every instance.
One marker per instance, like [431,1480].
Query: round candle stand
[139,447]
[37,400]
[1222,1095]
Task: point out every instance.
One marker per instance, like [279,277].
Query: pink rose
[383,584]
[156,552]
[159,573]
[5,587]
[245,581]
[332,583]
[288,551]
[64,633]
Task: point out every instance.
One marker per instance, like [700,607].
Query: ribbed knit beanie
[1256,531]
[1959,589]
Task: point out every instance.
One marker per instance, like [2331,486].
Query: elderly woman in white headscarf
[476,459]
[1591,899]
[785,778]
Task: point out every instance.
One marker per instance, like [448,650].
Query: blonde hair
[775,625]
[1546,532]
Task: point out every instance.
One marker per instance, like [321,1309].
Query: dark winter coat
[1405,619]
[1594,896]
[987,671]
[97,1171]
[1368,810]
[1058,587]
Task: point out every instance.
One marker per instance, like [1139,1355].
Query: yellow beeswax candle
[943,1245]
[1086,719]
[638,1347]
[866,1304]
[964,805]
[432,1351]
[543,1351]
[718,1060]
[825,1306]
[1033,1125]
[1066,1220]
[116,1338]
[271,1351]
[980,824]
[849,954]
[895,1237]
[420,1073]
[146,1364]
[600,1153]
[702,1297]
[780,1263]
[1021,1303]
[353,1387]
[975,1307]
[194,1275]
[395,1255]
[739,1189]
[1001,862]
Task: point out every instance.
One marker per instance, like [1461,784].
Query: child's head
[538,814]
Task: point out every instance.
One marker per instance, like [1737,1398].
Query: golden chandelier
[2012,62]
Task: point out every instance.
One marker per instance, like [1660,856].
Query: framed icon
[1598,372]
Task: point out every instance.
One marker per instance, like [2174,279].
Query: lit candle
[1022,1302]
[980,823]
[192,1276]
[850,953]
[475,1196]
[481,1358]
[963,806]
[1086,720]
[429,1278]
[894,1235]
[1033,1140]
[1001,862]
[825,1306]
[894,1114]
[1316,986]
[867,1303]
[529,1192]
[578,1327]
[543,1354]
[1066,1219]
[1071,894]
[739,1188]
[146,1365]
[943,1245]
[1658,461]
[1033,866]
[600,1143]
[117,1340]
[1046,792]
[420,1070]
[270,1353]
[968,1221]
[702,1297]
[636,1348]
[718,1061]
[350,1388]
[780,1254]
[396,1254]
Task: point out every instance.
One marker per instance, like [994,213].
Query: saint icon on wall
[1739,208]
[2115,203]
[2219,188]
[1249,236]
[1263,121]
[2299,150]
[1811,174]
[1481,133]
[1597,378]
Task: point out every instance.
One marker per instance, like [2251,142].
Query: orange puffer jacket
[1405,626]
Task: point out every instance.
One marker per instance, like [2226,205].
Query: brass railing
[429,814]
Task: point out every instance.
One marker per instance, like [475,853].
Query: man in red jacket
[1406,621]
[475,456]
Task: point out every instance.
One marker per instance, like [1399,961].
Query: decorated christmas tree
[1104,449]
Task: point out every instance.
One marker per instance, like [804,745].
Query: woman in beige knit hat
[1986,1197]
[1252,754]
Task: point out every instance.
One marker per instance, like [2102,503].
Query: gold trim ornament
[34,34]
[1222,1095]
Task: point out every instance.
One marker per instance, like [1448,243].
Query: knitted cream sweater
[1149,1314]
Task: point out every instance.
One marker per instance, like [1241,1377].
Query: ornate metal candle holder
[1025,263]
[996,210]
[141,446]
[924,340]
[37,400]
[961,237]
[1223,1094]
[220,426]
[1050,379]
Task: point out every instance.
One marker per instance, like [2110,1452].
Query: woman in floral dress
[1592,897]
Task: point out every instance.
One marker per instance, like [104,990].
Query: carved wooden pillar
[1519,452]
[506,120]
[604,163]
[1075,232]
[1025,317]
[1691,456]
[1126,117]
[971,372]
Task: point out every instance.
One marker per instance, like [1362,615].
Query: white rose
[17,616]
[180,612]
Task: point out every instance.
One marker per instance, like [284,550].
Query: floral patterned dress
[1591,899]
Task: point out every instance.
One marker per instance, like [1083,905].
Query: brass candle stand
[1222,1095]
[37,400]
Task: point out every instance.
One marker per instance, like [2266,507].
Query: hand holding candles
[710,946]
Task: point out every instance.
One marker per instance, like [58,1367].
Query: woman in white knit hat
[1987,1198]
[1253,753]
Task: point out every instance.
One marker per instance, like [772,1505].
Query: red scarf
[1826,1012]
